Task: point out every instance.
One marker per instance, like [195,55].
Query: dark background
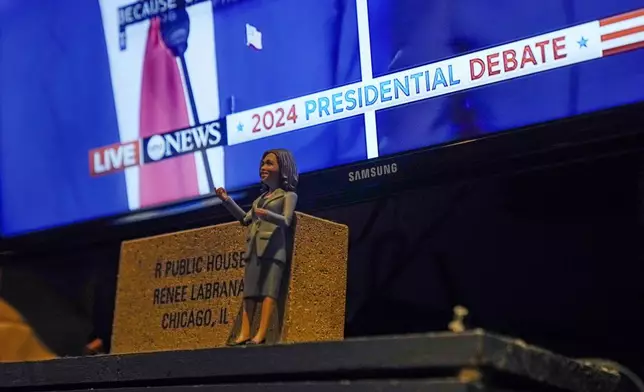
[548,250]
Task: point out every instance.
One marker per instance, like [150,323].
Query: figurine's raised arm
[284,220]
[245,218]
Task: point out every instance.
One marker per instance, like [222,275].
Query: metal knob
[457,324]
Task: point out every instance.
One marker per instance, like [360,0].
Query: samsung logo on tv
[372,172]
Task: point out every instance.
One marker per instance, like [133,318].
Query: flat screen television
[113,107]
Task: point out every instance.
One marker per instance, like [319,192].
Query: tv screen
[111,106]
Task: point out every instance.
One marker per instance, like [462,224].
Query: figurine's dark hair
[287,169]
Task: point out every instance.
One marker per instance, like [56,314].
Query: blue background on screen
[309,46]
[415,32]
[56,100]
[56,104]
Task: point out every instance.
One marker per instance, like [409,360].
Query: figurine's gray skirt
[263,277]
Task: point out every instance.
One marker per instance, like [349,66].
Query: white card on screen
[253,37]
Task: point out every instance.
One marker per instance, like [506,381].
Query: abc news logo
[185,141]
[156,148]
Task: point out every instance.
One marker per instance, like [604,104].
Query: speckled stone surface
[200,305]
[315,308]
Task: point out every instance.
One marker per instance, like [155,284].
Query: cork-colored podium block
[184,290]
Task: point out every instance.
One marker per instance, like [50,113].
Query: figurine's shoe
[254,343]
[240,343]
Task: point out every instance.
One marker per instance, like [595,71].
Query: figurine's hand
[261,213]
[221,194]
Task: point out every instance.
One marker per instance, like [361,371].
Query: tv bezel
[608,132]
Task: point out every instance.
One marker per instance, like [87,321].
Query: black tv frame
[605,133]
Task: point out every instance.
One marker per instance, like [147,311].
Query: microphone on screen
[175,30]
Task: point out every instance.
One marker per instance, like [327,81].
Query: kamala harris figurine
[271,221]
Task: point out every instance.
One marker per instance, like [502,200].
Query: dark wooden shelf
[502,362]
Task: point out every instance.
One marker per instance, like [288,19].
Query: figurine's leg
[244,333]
[267,310]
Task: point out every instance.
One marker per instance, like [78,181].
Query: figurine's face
[269,171]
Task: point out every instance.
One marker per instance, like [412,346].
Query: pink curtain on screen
[163,108]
